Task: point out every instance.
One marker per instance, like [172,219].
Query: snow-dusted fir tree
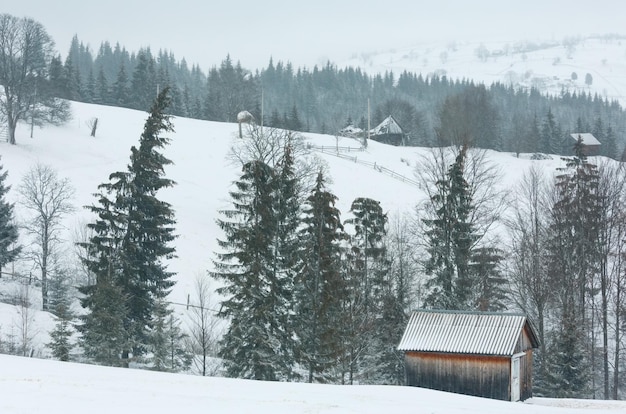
[489,284]
[255,345]
[286,245]
[167,341]
[60,337]
[8,229]
[320,286]
[368,266]
[104,336]
[133,231]
[574,255]
[450,237]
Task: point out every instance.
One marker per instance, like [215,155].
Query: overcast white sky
[309,32]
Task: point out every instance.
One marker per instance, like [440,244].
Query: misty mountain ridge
[550,65]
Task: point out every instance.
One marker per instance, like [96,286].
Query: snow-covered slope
[204,175]
[34,386]
[547,64]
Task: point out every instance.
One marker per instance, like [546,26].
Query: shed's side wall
[526,375]
[523,342]
[483,376]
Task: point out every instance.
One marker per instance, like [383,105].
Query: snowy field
[30,386]
[543,63]
[204,175]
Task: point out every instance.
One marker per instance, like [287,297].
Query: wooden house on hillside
[591,145]
[474,353]
[388,132]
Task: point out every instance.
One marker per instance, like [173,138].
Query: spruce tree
[253,347]
[104,336]
[573,266]
[385,363]
[366,280]
[120,89]
[320,286]
[450,240]
[550,134]
[60,336]
[609,146]
[167,346]
[8,229]
[286,243]
[490,285]
[143,82]
[133,231]
[101,93]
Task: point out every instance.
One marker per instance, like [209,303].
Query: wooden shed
[591,145]
[388,132]
[483,354]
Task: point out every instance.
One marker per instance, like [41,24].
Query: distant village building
[351,132]
[483,354]
[388,132]
[591,145]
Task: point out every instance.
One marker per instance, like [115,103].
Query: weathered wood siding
[483,376]
[523,342]
[526,375]
[391,139]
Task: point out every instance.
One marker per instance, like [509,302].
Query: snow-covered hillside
[204,176]
[34,386]
[548,65]
[201,169]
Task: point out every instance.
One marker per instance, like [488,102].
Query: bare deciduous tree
[268,145]
[203,327]
[47,197]
[612,190]
[25,52]
[483,178]
[25,320]
[528,226]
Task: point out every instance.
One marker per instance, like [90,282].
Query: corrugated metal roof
[480,333]
[587,138]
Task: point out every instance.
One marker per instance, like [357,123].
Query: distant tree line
[431,108]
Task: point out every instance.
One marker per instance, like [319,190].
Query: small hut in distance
[388,132]
[591,145]
[485,354]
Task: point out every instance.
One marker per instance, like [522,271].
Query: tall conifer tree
[8,229]
[320,285]
[366,279]
[574,257]
[133,231]
[253,346]
[450,237]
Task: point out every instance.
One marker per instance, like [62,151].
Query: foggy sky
[312,32]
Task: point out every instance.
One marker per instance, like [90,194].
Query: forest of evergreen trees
[431,109]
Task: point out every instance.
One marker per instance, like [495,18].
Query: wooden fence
[341,152]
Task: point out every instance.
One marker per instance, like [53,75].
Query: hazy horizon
[308,33]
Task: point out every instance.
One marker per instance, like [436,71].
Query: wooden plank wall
[484,376]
